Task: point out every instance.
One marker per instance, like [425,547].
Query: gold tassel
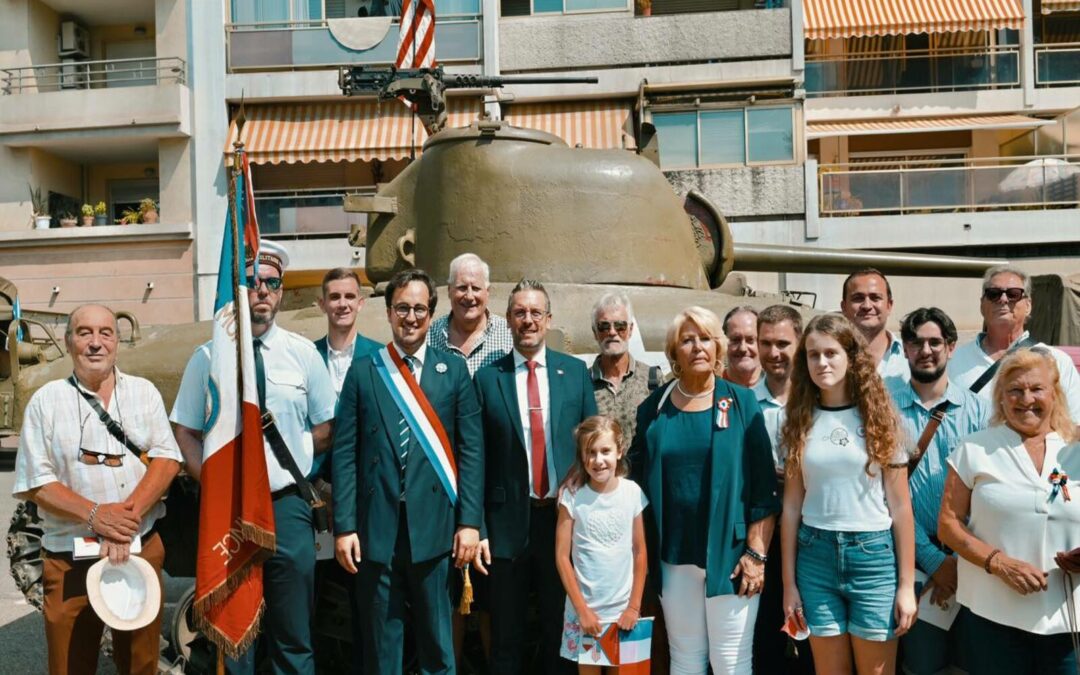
[465,606]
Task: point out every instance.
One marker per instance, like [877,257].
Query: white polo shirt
[1011,509]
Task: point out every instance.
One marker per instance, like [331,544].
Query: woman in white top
[1007,511]
[847,530]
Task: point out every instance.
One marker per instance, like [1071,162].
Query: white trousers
[702,631]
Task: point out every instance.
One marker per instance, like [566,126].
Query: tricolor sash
[420,416]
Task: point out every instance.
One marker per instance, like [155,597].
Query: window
[527,7]
[726,137]
[261,11]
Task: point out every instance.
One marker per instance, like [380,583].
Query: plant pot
[150,216]
[101,220]
[42,222]
[87,221]
[68,222]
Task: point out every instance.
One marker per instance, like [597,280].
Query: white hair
[1007,269]
[613,300]
[466,260]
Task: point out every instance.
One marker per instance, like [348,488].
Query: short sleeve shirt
[496,344]
[621,403]
[603,544]
[773,412]
[298,393]
[894,364]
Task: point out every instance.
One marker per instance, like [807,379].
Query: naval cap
[273,254]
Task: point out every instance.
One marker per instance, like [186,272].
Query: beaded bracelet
[989,558]
[760,557]
[90,518]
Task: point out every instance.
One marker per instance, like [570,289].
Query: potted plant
[67,219]
[99,214]
[40,209]
[148,210]
[130,217]
[87,215]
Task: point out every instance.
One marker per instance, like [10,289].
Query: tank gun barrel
[773,258]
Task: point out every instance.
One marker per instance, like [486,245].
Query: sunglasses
[95,458]
[272,283]
[605,326]
[994,294]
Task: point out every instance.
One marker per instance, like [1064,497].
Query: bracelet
[636,609]
[986,563]
[760,557]
[90,518]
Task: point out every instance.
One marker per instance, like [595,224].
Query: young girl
[847,577]
[600,538]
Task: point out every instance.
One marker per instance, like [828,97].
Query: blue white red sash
[420,416]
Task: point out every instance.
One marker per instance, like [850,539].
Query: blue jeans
[993,648]
[847,581]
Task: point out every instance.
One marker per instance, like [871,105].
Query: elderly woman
[702,456]
[1007,511]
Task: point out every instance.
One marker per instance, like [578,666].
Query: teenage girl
[599,538]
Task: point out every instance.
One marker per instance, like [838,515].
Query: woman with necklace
[703,458]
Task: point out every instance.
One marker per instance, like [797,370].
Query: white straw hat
[126,596]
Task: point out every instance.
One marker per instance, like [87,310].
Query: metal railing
[951,69]
[1057,65]
[305,211]
[990,184]
[93,74]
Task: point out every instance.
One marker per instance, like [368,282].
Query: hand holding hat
[125,596]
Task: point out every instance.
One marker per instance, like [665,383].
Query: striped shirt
[58,423]
[966,414]
[496,343]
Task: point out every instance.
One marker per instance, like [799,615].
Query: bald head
[91,337]
[94,309]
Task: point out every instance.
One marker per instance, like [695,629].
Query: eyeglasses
[935,344]
[1013,294]
[521,314]
[402,310]
[605,326]
[271,283]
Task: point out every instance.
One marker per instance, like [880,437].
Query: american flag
[416,38]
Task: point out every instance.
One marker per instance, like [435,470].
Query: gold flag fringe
[465,606]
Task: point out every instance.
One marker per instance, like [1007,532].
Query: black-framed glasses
[419,311]
[620,327]
[271,283]
[993,294]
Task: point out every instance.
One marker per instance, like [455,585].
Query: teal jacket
[742,485]
[362,348]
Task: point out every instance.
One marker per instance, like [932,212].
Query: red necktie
[536,430]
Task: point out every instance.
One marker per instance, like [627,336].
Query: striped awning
[910,125]
[1051,6]
[344,131]
[593,124]
[823,19]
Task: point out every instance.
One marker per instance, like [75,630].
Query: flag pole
[238,248]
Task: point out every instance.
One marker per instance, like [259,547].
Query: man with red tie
[531,400]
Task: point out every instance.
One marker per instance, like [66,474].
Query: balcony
[1057,65]
[315,212]
[296,45]
[949,186]
[914,71]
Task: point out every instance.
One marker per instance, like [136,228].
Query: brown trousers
[73,630]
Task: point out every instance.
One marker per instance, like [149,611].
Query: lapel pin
[440,368]
[722,408]
[559,371]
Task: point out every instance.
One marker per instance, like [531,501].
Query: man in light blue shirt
[929,338]
[867,303]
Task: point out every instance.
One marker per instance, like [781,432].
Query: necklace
[678,385]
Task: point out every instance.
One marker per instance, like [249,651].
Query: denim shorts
[847,581]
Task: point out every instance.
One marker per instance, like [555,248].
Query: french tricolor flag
[630,650]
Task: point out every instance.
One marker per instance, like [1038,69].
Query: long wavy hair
[864,386]
[1026,359]
[587,433]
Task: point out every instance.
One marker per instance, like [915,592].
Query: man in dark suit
[399,513]
[531,399]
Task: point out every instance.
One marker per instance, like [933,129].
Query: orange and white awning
[1051,6]
[592,124]
[823,19]
[343,131]
[910,125]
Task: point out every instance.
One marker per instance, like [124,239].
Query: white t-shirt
[840,497]
[1011,509]
[603,544]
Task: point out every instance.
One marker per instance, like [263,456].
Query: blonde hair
[864,386]
[708,323]
[1027,359]
[585,435]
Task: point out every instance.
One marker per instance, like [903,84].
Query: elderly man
[1005,308]
[408,473]
[740,329]
[531,399]
[469,330]
[87,482]
[293,385]
[620,383]
[867,302]
[929,337]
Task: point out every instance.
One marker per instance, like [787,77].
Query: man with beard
[936,414]
[740,329]
[293,385]
[867,302]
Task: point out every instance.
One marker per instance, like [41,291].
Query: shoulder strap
[989,373]
[937,414]
[285,459]
[111,425]
[656,377]
[664,396]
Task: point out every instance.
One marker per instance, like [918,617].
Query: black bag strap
[111,425]
[656,377]
[989,373]
[286,460]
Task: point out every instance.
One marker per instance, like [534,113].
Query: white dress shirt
[417,359]
[521,382]
[338,363]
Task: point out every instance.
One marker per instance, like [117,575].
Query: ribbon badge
[1060,481]
[722,408]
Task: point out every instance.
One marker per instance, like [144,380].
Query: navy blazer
[363,347]
[506,494]
[367,474]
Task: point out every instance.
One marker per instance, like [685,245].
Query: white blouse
[1012,509]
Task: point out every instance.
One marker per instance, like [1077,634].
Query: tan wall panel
[91,260]
[150,313]
[110,288]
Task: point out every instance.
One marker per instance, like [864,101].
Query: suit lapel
[508,387]
[717,468]
[555,396]
[321,345]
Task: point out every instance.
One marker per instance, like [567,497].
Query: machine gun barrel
[464,81]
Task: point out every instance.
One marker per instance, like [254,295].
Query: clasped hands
[116,524]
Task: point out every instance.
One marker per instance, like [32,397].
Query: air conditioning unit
[73,40]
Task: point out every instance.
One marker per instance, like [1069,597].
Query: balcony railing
[1057,65]
[950,186]
[290,45]
[911,71]
[93,74]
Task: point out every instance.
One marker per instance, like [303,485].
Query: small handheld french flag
[628,649]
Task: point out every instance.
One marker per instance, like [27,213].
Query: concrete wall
[54,174]
[164,106]
[746,191]
[174,182]
[538,43]
[42,27]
